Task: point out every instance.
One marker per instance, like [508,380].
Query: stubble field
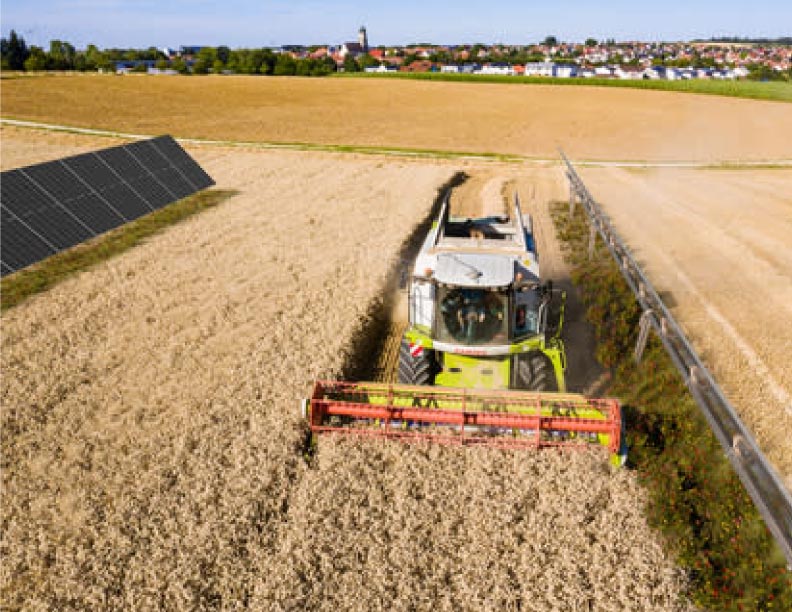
[588,122]
[152,452]
[719,244]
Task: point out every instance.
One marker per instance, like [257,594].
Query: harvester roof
[476,270]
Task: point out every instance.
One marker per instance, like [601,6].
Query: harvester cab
[480,315]
[482,361]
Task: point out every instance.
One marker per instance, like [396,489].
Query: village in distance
[717,58]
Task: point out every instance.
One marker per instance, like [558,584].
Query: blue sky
[240,23]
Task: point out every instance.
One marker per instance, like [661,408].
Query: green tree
[152,53]
[366,61]
[208,55]
[440,57]
[591,42]
[61,55]
[93,57]
[162,64]
[223,53]
[256,62]
[106,65]
[248,61]
[303,67]
[763,72]
[37,59]
[180,66]
[550,41]
[201,66]
[268,61]
[218,66]
[285,65]
[327,66]
[409,59]
[350,65]
[14,52]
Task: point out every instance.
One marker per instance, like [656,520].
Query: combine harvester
[482,362]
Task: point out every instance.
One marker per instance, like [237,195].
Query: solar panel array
[49,207]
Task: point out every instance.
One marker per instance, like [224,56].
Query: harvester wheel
[415,370]
[534,372]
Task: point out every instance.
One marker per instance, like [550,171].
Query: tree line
[61,55]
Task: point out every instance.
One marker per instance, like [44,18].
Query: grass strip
[778,91]
[696,500]
[17,287]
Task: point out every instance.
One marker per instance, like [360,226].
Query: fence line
[759,478]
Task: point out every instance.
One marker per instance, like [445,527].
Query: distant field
[779,91]
[588,122]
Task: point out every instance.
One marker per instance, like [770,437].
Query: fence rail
[759,478]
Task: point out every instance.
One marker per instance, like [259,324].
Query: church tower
[363,39]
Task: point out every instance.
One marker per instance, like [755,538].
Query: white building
[502,69]
[629,72]
[673,74]
[539,69]
[383,68]
[565,71]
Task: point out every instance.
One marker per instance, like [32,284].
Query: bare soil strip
[718,242]
[152,449]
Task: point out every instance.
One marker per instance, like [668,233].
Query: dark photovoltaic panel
[55,205]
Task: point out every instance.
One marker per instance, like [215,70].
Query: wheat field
[153,452]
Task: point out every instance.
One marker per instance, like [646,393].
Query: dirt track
[588,122]
[720,244]
[151,449]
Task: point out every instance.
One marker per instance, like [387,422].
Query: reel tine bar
[507,419]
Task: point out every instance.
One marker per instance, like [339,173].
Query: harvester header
[502,419]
